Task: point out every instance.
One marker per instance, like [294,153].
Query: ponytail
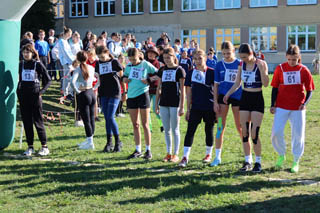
[82,57]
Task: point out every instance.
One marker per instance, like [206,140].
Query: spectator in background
[101,41]
[113,45]
[52,65]
[177,42]
[43,49]
[160,41]
[185,46]
[75,43]
[86,40]
[51,33]
[26,39]
[150,43]
[260,55]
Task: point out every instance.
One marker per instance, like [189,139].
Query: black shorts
[232,101]
[140,102]
[252,101]
[208,116]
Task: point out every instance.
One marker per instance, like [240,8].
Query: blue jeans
[109,108]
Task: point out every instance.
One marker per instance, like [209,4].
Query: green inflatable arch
[10,26]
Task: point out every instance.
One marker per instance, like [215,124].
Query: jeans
[109,108]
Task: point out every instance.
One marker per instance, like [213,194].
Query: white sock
[248,158]
[186,151]
[218,154]
[90,140]
[258,159]
[138,148]
[148,148]
[209,150]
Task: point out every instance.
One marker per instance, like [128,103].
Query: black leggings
[87,101]
[31,113]
[194,120]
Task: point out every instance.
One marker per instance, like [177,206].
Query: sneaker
[44,151]
[79,124]
[174,158]
[295,167]
[257,168]
[280,161]
[207,159]
[120,115]
[135,154]
[88,146]
[183,163]
[108,147]
[117,147]
[29,152]
[246,167]
[215,162]
[82,143]
[161,129]
[167,158]
[147,155]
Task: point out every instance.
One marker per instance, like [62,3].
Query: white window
[199,36]
[263,3]
[302,35]
[58,6]
[299,2]
[160,6]
[227,4]
[78,8]
[132,6]
[189,5]
[104,7]
[263,38]
[226,34]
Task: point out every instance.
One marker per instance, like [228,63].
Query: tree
[40,16]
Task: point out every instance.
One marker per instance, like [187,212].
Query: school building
[268,25]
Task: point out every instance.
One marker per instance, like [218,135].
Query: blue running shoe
[215,162]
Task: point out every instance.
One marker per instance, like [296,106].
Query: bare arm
[216,107]
[235,86]
[158,94]
[263,67]
[189,101]
[182,97]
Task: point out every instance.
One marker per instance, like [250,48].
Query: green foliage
[40,16]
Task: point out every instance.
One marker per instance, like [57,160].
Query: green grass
[72,180]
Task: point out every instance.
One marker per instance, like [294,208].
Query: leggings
[194,120]
[109,107]
[87,101]
[31,113]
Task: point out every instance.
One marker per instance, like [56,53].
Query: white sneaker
[82,143]
[99,110]
[79,124]
[120,115]
[29,152]
[44,151]
[88,146]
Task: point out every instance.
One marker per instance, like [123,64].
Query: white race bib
[105,68]
[28,75]
[230,75]
[183,61]
[198,77]
[136,73]
[291,78]
[169,76]
[248,76]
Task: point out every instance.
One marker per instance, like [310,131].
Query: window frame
[269,34]
[137,8]
[225,35]
[166,11]
[307,33]
[190,36]
[297,4]
[102,7]
[189,3]
[260,5]
[58,4]
[83,2]
[226,8]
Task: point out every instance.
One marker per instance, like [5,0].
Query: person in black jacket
[29,95]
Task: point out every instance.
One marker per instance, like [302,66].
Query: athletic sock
[186,151]
[248,159]
[148,148]
[258,159]
[138,148]
[218,154]
[209,150]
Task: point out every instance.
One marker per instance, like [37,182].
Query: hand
[144,81]
[225,99]
[187,115]
[154,78]
[157,109]
[216,108]
[181,111]
[124,97]
[302,107]
[272,110]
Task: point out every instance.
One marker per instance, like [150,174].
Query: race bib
[183,61]
[169,76]
[198,77]
[136,73]
[105,68]
[230,75]
[248,76]
[28,75]
[291,78]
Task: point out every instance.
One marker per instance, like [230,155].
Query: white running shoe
[29,152]
[44,151]
[88,146]
[82,143]
[120,115]
[79,124]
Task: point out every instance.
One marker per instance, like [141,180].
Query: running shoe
[167,158]
[280,161]
[44,151]
[215,162]
[246,167]
[29,151]
[183,163]
[207,159]
[147,155]
[135,154]
[295,167]
[257,168]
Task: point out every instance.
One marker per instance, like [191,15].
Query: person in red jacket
[289,101]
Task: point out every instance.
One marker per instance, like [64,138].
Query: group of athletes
[208,91]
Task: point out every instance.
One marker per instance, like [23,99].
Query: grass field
[72,180]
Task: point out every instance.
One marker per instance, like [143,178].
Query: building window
[263,38]
[227,4]
[78,8]
[299,2]
[199,36]
[190,5]
[160,6]
[263,3]
[58,7]
[302,35]
[132,6]
[226,34]
[104,7]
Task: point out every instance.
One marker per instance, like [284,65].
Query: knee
[145,126]
[255,134]
[136,125]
